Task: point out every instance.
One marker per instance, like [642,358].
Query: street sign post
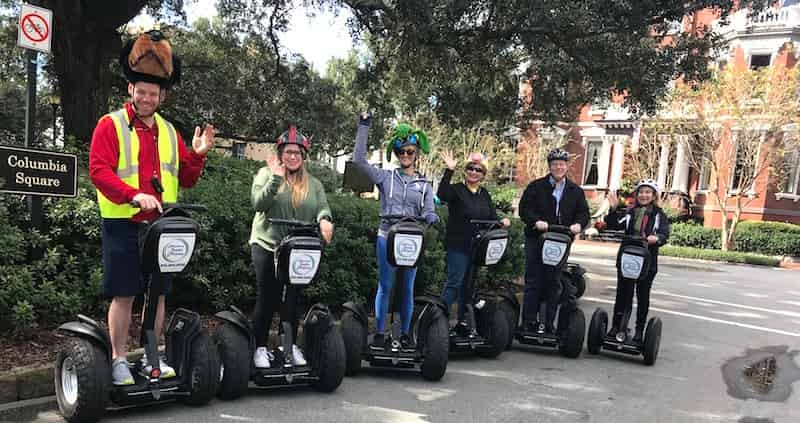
[35,28]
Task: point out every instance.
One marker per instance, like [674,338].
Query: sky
[318,39]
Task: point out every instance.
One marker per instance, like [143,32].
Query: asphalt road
[714,315]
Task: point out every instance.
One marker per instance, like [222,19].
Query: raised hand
[275,165]
[203,140]
[448,159]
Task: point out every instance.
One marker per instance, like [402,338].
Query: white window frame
[760,53]
[704,176]
[751,190]
[791,190]
[239,150]
[587,164]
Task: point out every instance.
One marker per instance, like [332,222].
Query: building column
[680,177]
[663,161]
[602,163]
[616,163]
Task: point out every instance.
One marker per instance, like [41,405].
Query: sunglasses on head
[475,169]
[408,152]
[412,140]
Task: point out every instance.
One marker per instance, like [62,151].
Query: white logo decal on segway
[552,252]
[175,251]
[407,249]
[631,266]
[495,250]
[303,265]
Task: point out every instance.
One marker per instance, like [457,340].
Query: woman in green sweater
[283,189]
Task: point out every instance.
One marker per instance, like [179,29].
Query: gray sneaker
[120,373]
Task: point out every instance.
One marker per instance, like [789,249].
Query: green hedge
[767,238]
[718,255]
[68,277]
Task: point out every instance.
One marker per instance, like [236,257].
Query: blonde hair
[299,187]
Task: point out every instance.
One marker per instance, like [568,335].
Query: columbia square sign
[37,172]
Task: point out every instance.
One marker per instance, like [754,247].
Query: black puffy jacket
[538,203]
[657,224]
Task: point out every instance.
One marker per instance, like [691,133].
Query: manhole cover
[764,374]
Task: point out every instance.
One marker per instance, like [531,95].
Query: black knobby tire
[652,341]
[235,356]
[495,330]
[332,361]
[90,364]
[597,330]
[436,349]
[572,336]
[354,336]
[509,311]
[203,370]
[579,281]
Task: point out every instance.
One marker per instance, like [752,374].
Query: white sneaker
[297,356]
[166,370]
[120,373]
[262,357]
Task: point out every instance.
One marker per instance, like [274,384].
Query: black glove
[365,119]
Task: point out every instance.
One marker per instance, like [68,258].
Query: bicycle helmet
[557,154]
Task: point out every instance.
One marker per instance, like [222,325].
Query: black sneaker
[379,342]
[462,328]
[407,343]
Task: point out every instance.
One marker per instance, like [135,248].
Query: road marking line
[742,314]
[746,307]
[431,394]
[388,415]
[239,418]
[794,303]
[710,319]
[753,295]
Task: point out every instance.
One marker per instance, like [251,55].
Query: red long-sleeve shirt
[104,160]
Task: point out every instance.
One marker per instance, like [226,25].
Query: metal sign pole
[34,201]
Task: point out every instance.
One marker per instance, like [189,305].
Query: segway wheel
[494,328]
[333,361]
[572,336]
[234,354]
[436,349]
[204,370]
[354,335]
[580,285]
[82,379]
[597,330]
[511,314]
[652,341]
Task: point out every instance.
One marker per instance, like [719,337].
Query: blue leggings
[385,281]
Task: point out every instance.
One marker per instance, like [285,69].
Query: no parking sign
[35,28]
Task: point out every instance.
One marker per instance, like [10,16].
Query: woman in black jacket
[647,219]
[465,201]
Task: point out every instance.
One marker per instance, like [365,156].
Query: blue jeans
[458,264]
[386,274]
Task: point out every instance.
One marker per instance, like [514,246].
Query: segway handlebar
[402,217]
[634,239]
[182,206]
[559,228]
[484,223]
[292,222]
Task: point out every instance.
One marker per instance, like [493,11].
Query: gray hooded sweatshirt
[399,193]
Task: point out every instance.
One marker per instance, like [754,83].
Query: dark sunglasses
[475,169]
[406,152]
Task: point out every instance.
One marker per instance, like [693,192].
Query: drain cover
[764,374]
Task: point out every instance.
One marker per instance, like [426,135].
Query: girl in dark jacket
[465,201]
[647,219]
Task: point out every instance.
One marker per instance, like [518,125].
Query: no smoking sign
[35,28]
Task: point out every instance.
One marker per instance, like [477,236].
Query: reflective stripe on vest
[128,164]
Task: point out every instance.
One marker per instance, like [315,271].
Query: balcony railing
[772,19]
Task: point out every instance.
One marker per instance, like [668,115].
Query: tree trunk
[722,201]
[737,214]
[85,41]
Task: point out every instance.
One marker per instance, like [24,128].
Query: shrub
[690,234]
[718,255]
[770,238]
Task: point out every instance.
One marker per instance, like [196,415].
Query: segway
[429,322]
[575,274]
[83,368]
[633,265]
[569,332]
[297,260]
[488,332]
